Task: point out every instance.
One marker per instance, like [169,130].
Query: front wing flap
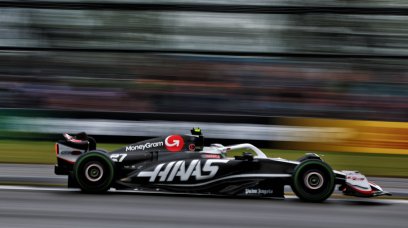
[356,184]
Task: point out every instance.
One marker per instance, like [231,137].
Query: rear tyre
[94,172]
[313,181]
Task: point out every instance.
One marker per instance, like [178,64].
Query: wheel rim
[94,172]
[314,180]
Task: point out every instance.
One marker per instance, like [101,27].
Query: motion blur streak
[86,57]
[287,133]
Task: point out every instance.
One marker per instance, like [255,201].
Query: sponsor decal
[191,147]
[211,156]
[174,143]
[118,157]
[183,171]
[356,178]
[147,145]
[258,191]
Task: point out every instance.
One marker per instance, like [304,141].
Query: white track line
[28,188]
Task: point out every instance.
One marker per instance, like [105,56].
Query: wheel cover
[94,172]
[313,180]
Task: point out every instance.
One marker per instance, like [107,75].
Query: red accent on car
[66,160]
[191,147]
[174,143]
[364,192]
[56,148]
[72,139]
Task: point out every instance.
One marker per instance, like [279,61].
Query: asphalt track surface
[60,207]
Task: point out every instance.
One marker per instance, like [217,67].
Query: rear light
[56,148]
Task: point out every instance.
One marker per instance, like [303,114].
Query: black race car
[181,163]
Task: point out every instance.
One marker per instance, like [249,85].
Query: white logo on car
[118,157]
[169,171]
[175,142]
[258,191]
[147,145]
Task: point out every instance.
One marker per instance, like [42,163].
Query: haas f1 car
[181,163]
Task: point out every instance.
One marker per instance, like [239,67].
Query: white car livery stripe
[256,175]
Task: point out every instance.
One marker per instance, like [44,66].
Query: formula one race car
[181,163]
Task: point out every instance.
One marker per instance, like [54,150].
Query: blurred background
[260,70]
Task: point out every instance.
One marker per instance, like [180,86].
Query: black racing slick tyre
[313,181]
[94,172]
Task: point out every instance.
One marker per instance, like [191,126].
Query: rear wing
[80,141]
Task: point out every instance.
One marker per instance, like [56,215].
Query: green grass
[34,152]
[42,152]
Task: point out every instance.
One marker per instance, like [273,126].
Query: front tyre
[94,172]
[313,181]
